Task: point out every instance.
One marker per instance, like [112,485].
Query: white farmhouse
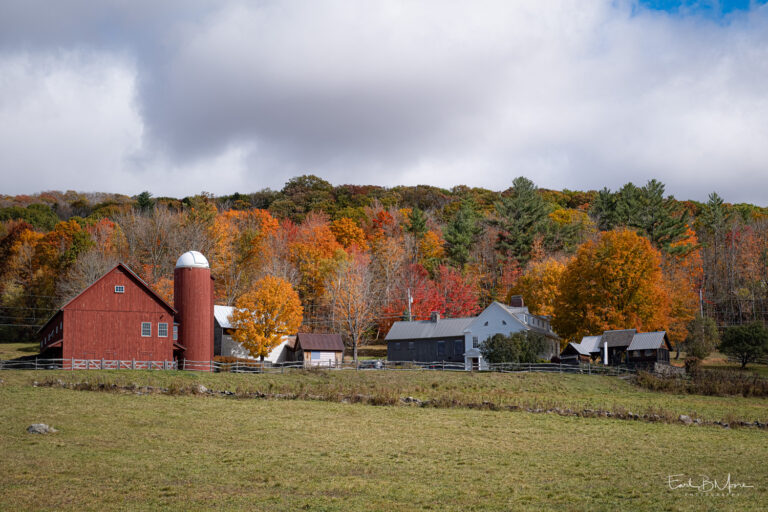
[459,339]
[504,319]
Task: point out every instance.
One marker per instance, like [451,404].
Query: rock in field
[684,418]
[41,428]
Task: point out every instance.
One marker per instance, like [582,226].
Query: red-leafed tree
[457,293]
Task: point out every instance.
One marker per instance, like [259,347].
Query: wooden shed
[318,349]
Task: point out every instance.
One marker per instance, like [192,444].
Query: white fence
[266,367]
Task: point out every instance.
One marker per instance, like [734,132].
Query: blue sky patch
[701,7]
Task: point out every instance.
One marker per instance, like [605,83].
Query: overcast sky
[191,96]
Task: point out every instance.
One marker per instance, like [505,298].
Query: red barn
[118,317]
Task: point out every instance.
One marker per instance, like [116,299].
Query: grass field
[118,451]
[536,390]
[14,350]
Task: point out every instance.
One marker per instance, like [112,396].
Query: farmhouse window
[175,332]
[146,329]
[162,330]
[440,349]
[475,343]
[119,288]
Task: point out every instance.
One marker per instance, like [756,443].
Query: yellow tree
[614,282]
[242,249]
[349,234]
[264,315]
[431,250]
[353,299]
[316,254]
[540,285]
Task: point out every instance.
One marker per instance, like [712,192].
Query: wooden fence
[266,367]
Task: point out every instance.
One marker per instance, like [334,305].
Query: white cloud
[572,94]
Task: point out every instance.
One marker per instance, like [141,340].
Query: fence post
[72,366]
[35,363]
[210,362]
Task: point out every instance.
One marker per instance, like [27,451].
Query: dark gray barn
[437,339]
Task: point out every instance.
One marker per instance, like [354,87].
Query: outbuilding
[316,349]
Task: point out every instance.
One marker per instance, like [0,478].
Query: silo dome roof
[192,259]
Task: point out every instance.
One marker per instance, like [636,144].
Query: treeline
[359,252]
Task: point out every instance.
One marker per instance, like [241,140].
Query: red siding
[102,324]
[193,300]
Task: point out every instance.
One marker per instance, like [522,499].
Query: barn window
[175,332]
[146,329]
[411,345]
[397,346]
[162,330]
[504,322]
[119,288]
[475,342]
[458,347]
[440,349]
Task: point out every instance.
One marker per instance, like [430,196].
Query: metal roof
[314,341]
[589,344]
[649,340]
[443,328]
[221,314]
[579,348]
[618,338]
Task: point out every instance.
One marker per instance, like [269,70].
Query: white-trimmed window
[119,288]
[475,342]
[175,332]
[146,329]
[162,330]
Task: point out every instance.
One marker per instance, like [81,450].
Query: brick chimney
[435,316]
[516,301]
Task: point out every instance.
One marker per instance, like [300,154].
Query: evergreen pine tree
[462,233]
[417,223]
[522,215]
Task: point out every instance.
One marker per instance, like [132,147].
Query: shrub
[707,382]
[520,347]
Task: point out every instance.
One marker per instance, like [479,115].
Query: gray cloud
[237,96]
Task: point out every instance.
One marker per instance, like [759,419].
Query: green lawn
[117,451]
[14,350]
[536,390]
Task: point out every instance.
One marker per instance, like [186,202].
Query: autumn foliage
[568,253]
[264,315]
[614,282]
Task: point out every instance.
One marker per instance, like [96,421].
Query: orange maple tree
[614,282]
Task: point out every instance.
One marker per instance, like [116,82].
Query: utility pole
[410,301]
